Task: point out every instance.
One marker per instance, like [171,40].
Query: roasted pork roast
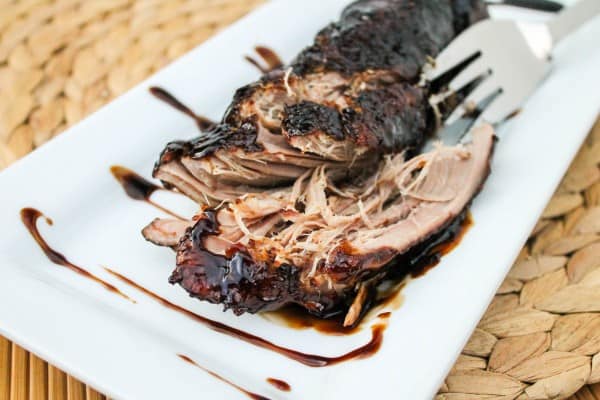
[351,97]
[313,188]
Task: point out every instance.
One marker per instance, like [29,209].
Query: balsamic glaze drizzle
[204,124]
[269,57]
[29,217]
[251,395]
[139,188]
[311,360]
[280,385]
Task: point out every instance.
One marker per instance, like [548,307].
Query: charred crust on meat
[234,280]
[273,79]
[467,12]
[307,118]
[392,34]
[223,136]
[232,114]
[391,118]
[237,281]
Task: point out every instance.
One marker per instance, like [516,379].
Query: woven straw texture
[62,59]
[540,337]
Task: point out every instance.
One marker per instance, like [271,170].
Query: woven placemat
[540,337]
[60,60]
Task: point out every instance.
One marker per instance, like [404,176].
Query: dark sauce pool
[449,241]
[389,293]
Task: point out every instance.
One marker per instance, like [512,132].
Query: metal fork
[497,64]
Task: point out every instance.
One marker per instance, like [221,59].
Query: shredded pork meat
[333,236]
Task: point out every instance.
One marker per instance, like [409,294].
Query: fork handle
[572,18]
[538,5]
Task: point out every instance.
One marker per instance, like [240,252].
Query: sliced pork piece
[345,101]
[166,232]
[316,242]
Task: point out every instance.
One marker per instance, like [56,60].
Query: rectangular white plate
[128,350]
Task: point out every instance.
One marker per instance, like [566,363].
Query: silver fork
[499,65]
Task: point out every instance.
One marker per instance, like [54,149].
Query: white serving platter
[129,350]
